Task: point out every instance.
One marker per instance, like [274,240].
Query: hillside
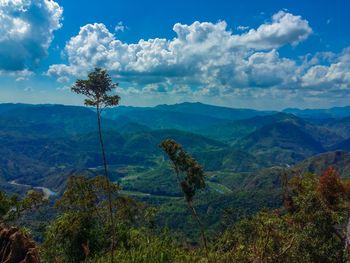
[160,119]
[319,163]
[213,111]
[49,120]
[234,130]
[335,112]
[281,143]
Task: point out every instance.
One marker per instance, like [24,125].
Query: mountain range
[243,151]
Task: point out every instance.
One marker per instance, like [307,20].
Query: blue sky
[255,54]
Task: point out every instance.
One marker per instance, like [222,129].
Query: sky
[270,54]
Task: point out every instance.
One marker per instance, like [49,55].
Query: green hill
[282,143]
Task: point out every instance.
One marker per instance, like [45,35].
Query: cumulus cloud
[268,70]
[335,75]
[203,59]
[284,28]
[201,53]
[26,32]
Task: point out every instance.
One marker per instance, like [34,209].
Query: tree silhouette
[190,177]
[97,89]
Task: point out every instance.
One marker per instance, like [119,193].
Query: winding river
[47,192]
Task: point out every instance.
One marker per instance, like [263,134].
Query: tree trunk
[110,206]
[204,239]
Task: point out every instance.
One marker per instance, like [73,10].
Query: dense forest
[174,183]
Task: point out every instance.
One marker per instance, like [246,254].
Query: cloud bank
[26,32]
[208,59]
[200,53]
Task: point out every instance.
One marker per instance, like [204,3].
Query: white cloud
[334,75]
[267,69]
[203,59]
[285,28]
[202,54]
[26,31]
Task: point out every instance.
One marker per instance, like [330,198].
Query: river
[47,192]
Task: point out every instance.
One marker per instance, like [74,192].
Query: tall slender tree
[190,177]
[98,88]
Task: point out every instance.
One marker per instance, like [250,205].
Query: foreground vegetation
[311,226]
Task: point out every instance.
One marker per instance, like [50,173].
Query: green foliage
[67,235]
[145,247]
[96,89]
[86,194]
[190,176]
[5,205]
[81,229]
[13,207]
[259,239]
[184,163]
[311,232]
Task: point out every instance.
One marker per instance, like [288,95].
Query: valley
[243,152]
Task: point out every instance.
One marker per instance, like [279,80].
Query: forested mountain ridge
[63,137]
